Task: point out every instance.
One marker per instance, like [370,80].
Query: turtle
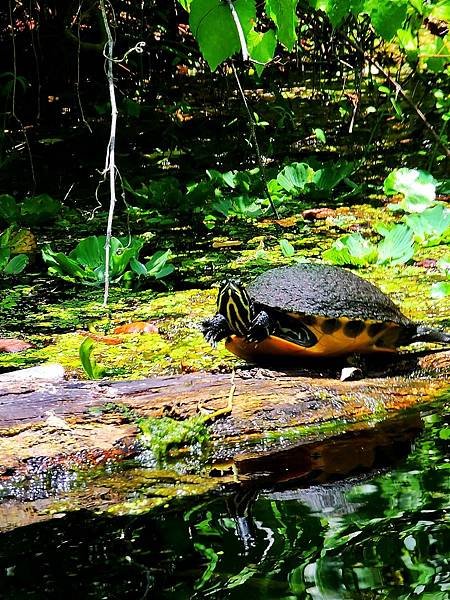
[310,310]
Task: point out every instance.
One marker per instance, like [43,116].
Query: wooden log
[61,428]
[262,400]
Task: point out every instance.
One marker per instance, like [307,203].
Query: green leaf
[444,433]
[287,248]
[62,264]
[88,362]
[352,249]
[417,186]
[40,209]
[435,55]
[90,252]
[329,176]
[157,267]
[213,27]
[397,247]
[408,42]
[294,177]
[441,11]
[336,10]
[386,17]
[283,14]
[86,261]
[432,226]
[5,253]
[138,267]
[440,289]
[261,47]
[9,211]
[320,135]
[16,265]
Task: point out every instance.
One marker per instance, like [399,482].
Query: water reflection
[382,535]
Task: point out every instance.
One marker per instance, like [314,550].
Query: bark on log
[53,427]
[262,401]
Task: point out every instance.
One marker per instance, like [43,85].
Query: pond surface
[378,534]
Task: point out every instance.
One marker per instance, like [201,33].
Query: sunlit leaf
[283,14]
[88,362]
[213,27]
[261,47]
[320,135]
[287,248]
[397,247]
[294,177]
[386,17]
[432,226]
[16,265]
[440,289]
[351,249]
[418,188]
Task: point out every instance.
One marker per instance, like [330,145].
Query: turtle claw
[259,328]
[215,329]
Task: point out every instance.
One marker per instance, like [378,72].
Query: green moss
[162,434]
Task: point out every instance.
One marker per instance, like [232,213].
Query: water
[380,534]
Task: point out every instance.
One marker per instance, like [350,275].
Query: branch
[398,88]
[255,140]
[110,163]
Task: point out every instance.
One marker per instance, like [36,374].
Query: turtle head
[234,303]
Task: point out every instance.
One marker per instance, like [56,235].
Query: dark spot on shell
[389,339]
[329,326]
[309,320]
[353,328]
[375,328]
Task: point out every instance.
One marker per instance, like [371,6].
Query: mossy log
[56,436]
[95,419]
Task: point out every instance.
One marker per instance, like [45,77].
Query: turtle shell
[321,310]
[323,290]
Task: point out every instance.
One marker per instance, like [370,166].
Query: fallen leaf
[137,327]
[13,345]
[313,214]
[105,339]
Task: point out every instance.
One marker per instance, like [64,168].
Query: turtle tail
[428,334]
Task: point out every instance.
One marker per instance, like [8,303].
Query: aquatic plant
[441,289]
[417,187]
[431,227]
[88,362]
[314,179]
[86,262]
[396,247]
[9,264]
[35,210]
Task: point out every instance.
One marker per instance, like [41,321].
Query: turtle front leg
[260,327]
[215,329]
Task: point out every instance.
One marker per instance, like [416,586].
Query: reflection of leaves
[213,558]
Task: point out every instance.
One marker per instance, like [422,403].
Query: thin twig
[255,141]
[110,151]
